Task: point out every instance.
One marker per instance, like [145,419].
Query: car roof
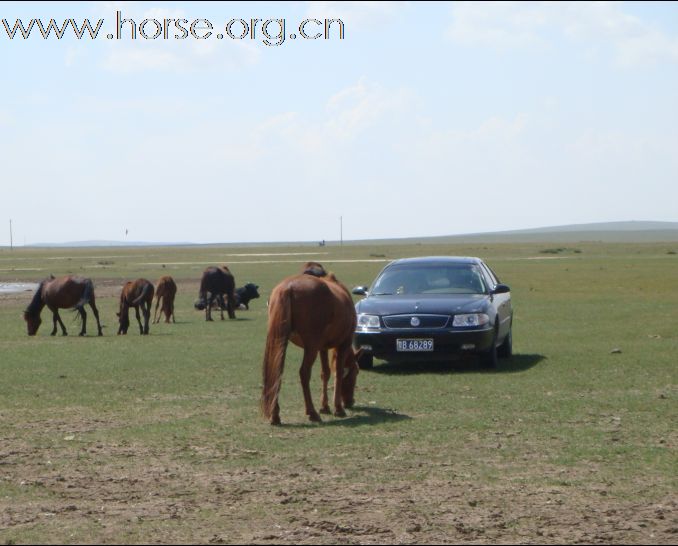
[434,260]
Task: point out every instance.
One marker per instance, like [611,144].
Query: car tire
[505,350]
[366,361]
[489,358]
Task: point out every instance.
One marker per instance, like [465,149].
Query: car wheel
[489,358]
[505,350]
[366,361]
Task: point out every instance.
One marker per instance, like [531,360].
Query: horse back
[166,287]
[322,313]
[65,292]
[217,280]
[136,292]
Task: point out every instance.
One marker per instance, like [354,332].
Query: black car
[434,307]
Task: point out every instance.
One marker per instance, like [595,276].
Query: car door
[501,302]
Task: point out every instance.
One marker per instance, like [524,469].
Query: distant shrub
[559,250]
[671,252]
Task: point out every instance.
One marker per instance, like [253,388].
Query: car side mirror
[501,289]
[360,290]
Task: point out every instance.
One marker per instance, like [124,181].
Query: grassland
[159,439]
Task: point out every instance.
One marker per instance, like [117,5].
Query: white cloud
[594,25]
[357,108]
[355,13]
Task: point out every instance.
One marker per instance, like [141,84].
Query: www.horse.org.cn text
[270,32]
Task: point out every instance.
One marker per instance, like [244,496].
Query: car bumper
[446,343]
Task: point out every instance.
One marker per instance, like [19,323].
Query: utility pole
[11,239]
[341,231]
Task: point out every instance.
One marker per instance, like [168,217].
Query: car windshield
[433,279]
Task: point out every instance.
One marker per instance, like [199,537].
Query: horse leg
[146,309]
[155,313]
[325,376]
[83,316]
[141,328]
[63,328]
[208,308]
[220,301]
[96,316]
[229,307]
[305,377]
[339,359]
[54,320]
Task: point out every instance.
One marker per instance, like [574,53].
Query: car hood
[435,304]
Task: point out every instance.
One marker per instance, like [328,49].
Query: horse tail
[148,287]
[87,295]
[279,330]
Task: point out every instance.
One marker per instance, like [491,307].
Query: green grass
[177,411]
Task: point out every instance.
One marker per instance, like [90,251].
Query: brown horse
[135,294]
[215,283]
[316,314]
[63,293]
[165,291]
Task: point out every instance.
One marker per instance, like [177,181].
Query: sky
[426,119]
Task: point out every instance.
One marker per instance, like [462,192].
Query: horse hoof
[314,418]
[81,334]
[275,421]
[340,413]
[325,411]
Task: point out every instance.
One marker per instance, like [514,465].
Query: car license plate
[414,345]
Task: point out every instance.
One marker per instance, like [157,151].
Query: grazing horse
[165,291]
[215,283]
[316,314]
[135,294]
[63,293]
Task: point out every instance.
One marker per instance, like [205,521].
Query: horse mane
[36,303]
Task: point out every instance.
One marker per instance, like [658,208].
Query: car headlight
[471,319]
[368,321]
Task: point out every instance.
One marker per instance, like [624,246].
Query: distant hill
[606,232]
[78,244]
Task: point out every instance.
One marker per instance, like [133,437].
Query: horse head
[348,382]
[124,323]
[33,322]
[313,268]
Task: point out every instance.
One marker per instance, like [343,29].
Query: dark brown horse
[165,290]
[135,294]
[63,293]
[216,283]
[316,314]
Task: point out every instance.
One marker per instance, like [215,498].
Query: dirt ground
[126,493]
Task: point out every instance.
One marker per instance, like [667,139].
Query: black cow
[246,293]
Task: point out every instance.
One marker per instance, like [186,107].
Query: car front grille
[425,321]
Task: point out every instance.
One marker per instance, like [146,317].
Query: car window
[422,279]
